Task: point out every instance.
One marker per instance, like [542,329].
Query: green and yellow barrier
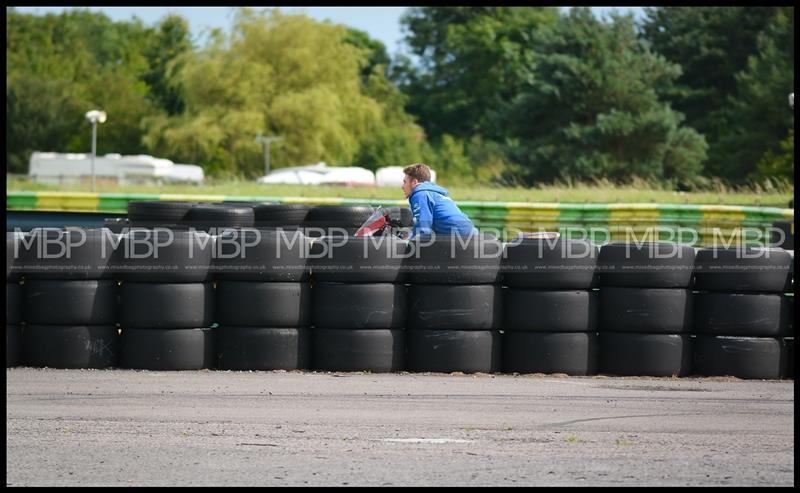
[676,222]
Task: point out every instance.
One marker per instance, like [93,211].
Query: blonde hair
[419,171]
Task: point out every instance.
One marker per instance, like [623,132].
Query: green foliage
[758,115]
[738,68]
[289,76]
[448,157]
[781,165]
[470,59]
[591,109]
[494,95]
[170,43]
[711,44]
[378,60]
[61,66]
[686,150]
[41,115]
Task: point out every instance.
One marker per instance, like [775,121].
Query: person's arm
[423,214]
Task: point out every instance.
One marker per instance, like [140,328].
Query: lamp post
[95,116]
[266,141]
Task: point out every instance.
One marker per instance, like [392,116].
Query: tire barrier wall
[645,308]
[454,304]
[359,304]
[696,225]
[743,316]
[349,304]
[550,307]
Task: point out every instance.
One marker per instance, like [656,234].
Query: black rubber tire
[262,255]
[91,302]
[263,304]
[788,348]
[152,213]
[117,225]
[646,265]
[87,346]
[322,218]
[280,215]
[242,203]
[168,349]
[656,355]
[372,350]
[742,357]
[454,307]
[51,253]
[740,270]
[406,217]
[13,303]
[260,348]
[13,252]
[358,259]
[182,256]
[13,345]
[741,314]
[549,311]
[786,239]
[214,217]
[651,311]
[447,351]
[454,260]
[358,306]
[573,353]
[166,306]
[558,264]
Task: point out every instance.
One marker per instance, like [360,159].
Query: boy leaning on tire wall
[434,211]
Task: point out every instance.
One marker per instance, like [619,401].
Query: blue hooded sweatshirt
[434,211]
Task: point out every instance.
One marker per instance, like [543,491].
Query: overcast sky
[381,23]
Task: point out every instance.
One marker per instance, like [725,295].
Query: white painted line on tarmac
[425,440]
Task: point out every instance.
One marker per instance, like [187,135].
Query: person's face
[409,184]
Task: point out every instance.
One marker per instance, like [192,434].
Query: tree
[60,66]
[757,117]
[781,165]
[164,52]
[470,59]
[711,45]
[377,59]
[590,108]
[278,75]
[41,115]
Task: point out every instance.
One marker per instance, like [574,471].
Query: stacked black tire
[335,220]
[158,213]
[13,301]
[214,217]
[788,341]
[166,300]
[69,298]
[645,308]
[783,234]
[741,312]
[454,304]
[178,215]
[263,300]
[359,304]
[284,216]
[550,307]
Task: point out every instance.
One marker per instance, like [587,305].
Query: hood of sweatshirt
[427,186]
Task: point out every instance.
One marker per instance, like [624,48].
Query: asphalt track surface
[126,427]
